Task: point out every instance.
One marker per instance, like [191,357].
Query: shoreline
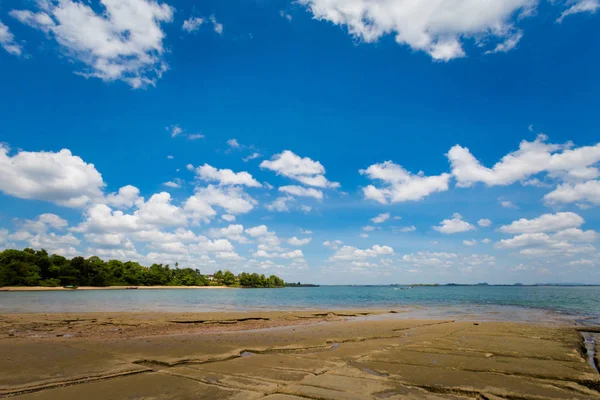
[60,288]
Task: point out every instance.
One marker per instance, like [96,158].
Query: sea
[580,304]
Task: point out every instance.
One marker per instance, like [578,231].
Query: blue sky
[268,136]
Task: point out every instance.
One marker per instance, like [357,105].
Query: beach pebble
[488,355]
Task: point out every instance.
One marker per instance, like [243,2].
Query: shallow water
[579,301]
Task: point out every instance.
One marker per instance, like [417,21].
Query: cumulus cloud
[7,41]
[233,143]
[294,241]
[435,27]
[226,176]
[558,160]
[484,222]
[349,253]
[126,197]
[304,170]
[508,204]
[280,204]
[586,192]
[302,191]
[454,225]
[399,185]
[61,177]
[232,199]
[231,232]
[258,231]
[544,223]
[45,221]
[122,41]
[381,218]
[228,217]
[333,244]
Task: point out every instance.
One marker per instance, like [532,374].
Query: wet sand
[289,356]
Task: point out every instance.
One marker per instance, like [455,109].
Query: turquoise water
[577,301]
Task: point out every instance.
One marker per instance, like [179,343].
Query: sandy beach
[288,356]
[60,288]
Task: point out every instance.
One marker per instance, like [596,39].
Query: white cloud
[333,244]
[233,143]
[292,254]
[285,15]
[582,262]
[40,225]
[380,218]
[170,157]
[302,191]
[509,44]
[294,241]
[280,204]
[172,184]
[123,41]
[305,209]
[306,231]
[349,253]
[216,26]
[435,27]
[61,178]
[406,229]
[7,41]
[126,197]
[232,199]
[486,241]
[508,204]
[580,6]
[544,223]
[454,225]
[176,130]
[228,217]
[430,259]
[484,222]
[588,192]
[400,185]
[159,211]
[192,24]
[470,242]
[258,231]
[368,228]
[252,156]
[304,170]
[564,243]
[226,176]
[231,232]
[53,221]
[558,160]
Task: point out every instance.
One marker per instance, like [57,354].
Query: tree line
[30,267]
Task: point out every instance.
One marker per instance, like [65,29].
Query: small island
[298,284]
[36,268]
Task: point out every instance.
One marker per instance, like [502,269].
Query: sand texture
[287,356]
